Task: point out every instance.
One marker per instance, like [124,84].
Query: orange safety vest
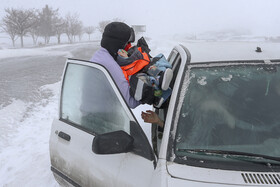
[136,66]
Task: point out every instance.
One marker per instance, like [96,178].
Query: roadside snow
[9,53]
[56,50]
[24,141]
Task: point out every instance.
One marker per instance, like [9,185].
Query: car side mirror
[112,143]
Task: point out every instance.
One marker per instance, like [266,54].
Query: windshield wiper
[231,153]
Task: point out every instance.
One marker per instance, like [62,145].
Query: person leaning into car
[116,36]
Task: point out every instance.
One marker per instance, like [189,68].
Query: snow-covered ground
[24,135]
[25,125]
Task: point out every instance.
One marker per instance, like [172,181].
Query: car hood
[204,176]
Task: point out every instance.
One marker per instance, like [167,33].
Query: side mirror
[112,143]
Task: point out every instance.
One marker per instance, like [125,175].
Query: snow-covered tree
[19,21]
[59,28]
[34,30]
[102,25]
[9,29]
[48,17]
[89,30]
[73,26]
[80,30]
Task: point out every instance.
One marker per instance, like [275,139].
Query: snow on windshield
[230,105]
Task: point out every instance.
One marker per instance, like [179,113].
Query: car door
[179,57]
[91,106]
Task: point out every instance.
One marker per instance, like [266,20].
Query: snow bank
[9,118]
[24,148]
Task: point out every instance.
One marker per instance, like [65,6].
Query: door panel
[76,161]
[91,104]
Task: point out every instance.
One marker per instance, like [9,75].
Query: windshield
[232,109]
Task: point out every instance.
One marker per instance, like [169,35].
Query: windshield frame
[210,163]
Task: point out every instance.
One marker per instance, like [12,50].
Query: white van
[222,128]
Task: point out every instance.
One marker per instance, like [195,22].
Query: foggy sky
[258,17]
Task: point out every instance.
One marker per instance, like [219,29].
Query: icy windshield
[230,108]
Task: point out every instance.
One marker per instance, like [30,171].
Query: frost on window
[89,101]
[202,80]
[237,110]
[227,78]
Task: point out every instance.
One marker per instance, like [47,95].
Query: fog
[166,17]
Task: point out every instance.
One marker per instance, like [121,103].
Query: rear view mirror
[112,143]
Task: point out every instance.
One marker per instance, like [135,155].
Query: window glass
[89,101]
[234,108]
[172,56]
[175,67]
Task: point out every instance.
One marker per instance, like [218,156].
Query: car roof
[235,62]
[232,51]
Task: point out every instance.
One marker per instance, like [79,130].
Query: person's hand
[151,117]
[122,53]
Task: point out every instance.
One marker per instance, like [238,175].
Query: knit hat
[115,37]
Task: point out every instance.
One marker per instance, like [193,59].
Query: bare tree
[20,21]
[48,16]
[59,28]
[73,26]
[118,20]
[8,28]
[102,25]
[34,30]
[89,30]
[79,30]
[34,33]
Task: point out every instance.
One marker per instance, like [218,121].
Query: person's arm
[103,57]
[124,88]
[151,117]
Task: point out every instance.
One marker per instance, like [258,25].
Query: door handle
[65,136]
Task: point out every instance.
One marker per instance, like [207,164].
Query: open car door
[179,57]
[96,140]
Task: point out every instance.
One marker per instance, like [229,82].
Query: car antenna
[258,50]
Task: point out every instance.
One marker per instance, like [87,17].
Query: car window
[90,103]
[232,108]
[173,55]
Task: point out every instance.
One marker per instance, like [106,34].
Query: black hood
[115,37]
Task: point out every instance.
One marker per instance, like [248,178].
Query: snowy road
[21,77]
